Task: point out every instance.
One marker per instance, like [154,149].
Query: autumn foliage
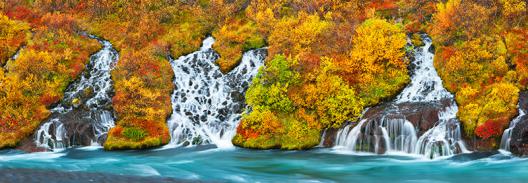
[37,78]
[480,56]
[328,60]
[320,74]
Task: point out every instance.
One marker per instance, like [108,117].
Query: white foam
[204,100]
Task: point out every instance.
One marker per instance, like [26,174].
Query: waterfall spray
[207,104]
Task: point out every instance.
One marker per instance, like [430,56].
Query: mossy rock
[417,40]
[293,135]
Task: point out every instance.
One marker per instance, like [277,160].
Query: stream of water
[393,132]
[85,114]
[207,104]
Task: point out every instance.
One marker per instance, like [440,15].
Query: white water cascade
[506,136]
[207,104]
[445,139]
[85,114]
[13,58]
[392,132]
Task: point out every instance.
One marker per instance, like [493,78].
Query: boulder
[28,145]
[519,136]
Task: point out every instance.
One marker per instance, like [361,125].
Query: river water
[206,163]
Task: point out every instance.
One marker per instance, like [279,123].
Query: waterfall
[506,136]
[392,132]
[17,53]
[379,136]
[426,85]
[207,104]
[445,139]
[85,114]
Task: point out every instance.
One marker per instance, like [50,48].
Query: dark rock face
[423,116]
[473,156]
[519,136]
[329,137]
[476,144]
[79,126]
[28,145]
[523,101]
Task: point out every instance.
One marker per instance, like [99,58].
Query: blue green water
[241,165]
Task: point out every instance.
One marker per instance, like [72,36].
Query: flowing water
[393,132]
[239,165]
[207,104]
[85,108]
[506,136]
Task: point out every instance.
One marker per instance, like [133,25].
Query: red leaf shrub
[492,128]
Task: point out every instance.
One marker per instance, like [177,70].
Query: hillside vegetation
[327,61]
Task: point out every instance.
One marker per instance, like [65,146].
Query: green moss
[253,42]
[135,134]
[116,143]
[416,40]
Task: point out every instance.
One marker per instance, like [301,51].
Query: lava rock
[79,130]
[423,116]
[473,156]
[519,136]
[329,137]
[28,145]
[523,101]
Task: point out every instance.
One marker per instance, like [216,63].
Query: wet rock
[432,49]
[380,146]
[237,96]
[476,144]
[473,156]
[519,136]
[422,115]
[523,101]
[329,137]
[28,145]
[102,139]
[79,129]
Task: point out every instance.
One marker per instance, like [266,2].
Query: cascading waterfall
[394,133]
[15,56]
[207,104]
[388,134]
[506,136]
[86,106]
[445,139]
